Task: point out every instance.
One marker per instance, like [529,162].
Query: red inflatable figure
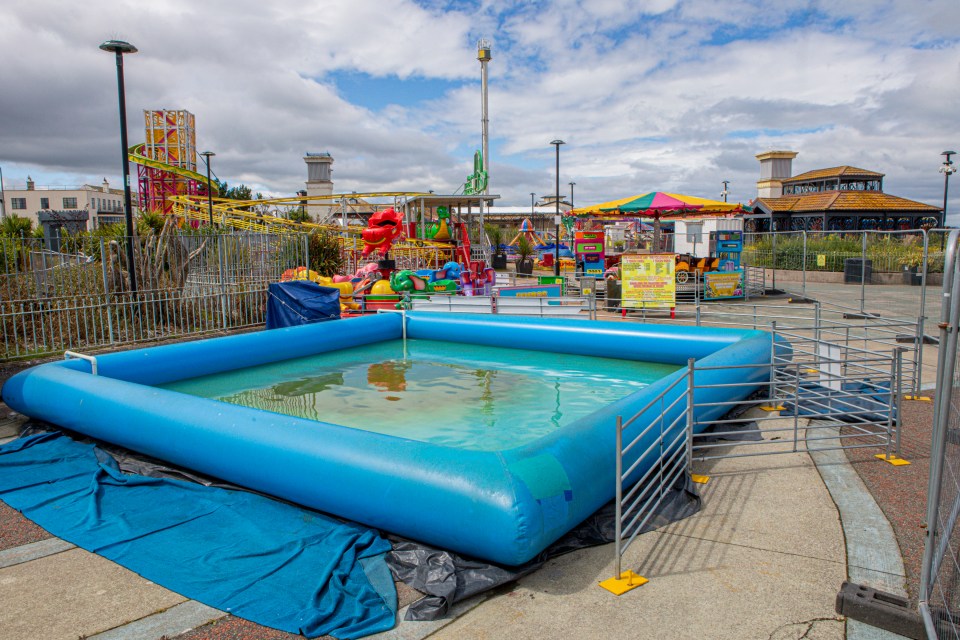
[382,229]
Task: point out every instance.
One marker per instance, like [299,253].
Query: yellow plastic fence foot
[892,459]
[627,581]
[811,370]
[918,398]
[694,477]
[776,408]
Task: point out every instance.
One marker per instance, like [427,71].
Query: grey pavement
[763,559]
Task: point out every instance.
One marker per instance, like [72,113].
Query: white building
[103,204]
[692,235]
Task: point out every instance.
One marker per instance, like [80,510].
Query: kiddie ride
[717,277]
[379,285]
[589,250]
[721,274]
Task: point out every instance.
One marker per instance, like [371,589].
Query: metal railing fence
[940,570]
[187,285]
[818,392]
[805,262]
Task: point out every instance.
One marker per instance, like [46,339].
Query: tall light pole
[946,169]
[556,219]
[119,47]
[571,194]
[206,159]
[725,192]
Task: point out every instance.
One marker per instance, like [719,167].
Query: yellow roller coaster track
[135,154]
[238,214]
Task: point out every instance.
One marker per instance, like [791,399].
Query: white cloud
[658,94]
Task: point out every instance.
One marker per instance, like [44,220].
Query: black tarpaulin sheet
[448,577]
[290,304]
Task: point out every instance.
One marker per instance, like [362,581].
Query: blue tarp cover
[290,304]
[275,564]
[854,402]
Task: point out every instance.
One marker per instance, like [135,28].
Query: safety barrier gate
[940,573]
[822,391]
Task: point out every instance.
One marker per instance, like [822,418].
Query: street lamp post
[206,159]
[533,215]
[946,169]
[725,192]
[556,219]
[571,194]
[119,47]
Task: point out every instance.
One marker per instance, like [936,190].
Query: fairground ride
[272,216]
[167,161]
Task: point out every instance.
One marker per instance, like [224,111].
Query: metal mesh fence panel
[940,576]
[80,297]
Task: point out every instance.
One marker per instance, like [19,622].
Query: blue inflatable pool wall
[503,506]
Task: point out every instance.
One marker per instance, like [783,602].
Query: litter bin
[612,294]
[857,269]
[910,276]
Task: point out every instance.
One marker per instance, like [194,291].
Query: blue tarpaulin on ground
[273,563]
[854,402]
[290,304]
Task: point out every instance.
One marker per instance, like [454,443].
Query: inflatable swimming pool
[504,506]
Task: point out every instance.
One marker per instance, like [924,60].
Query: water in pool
[461,395]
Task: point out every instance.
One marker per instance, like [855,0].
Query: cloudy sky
[671,95]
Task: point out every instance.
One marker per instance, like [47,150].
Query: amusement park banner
[723,284]
[648,281]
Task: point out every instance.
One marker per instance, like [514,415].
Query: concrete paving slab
[33,551]
[175,621]
[74,594]
[727,572]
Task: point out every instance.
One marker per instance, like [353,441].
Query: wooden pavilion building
[841,198]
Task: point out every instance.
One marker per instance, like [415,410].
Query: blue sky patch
[375,93]
[773,133]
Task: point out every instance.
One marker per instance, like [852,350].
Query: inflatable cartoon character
[440,229]
[383,228]
[408,281]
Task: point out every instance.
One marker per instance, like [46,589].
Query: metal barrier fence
[809,262]
[940,572]
[186,285]
[570,307]
[820,391]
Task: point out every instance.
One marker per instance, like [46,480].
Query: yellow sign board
[821,260]
[648,281]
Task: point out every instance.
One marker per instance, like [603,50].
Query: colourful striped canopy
[656,204]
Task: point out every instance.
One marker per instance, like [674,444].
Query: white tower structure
[319,183]
[775,167]
[484,56]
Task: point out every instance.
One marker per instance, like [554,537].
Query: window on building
[44,203]
[69,203]
[695,232]
[18,203]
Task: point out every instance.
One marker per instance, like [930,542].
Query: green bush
[13,226]
[888,253]
[326,257]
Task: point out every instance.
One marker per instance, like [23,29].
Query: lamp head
[557,142]
[207,154]
[118,46]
